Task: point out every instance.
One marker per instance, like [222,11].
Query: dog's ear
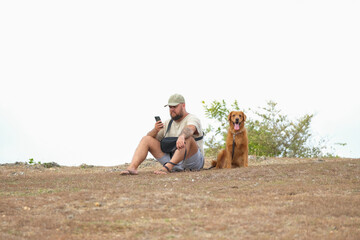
[244,117]
[229,117]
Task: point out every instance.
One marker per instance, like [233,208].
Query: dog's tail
[213,164]
[219,159]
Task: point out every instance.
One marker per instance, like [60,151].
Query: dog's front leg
[228,159]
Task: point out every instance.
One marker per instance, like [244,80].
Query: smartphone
[157,118]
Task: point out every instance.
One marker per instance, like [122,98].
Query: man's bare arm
[152,133]
[188,131]
[158,126]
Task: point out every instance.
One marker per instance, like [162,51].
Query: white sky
[81,81]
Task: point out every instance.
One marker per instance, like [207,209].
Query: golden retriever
[234,156]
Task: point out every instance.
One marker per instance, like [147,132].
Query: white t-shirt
[177,127]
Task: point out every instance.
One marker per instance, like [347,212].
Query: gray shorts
[195,162]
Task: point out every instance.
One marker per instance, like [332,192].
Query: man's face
[177,112]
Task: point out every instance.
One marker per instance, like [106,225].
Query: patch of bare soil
[273,198]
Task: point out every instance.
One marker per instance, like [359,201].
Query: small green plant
[84,166]
[32,162]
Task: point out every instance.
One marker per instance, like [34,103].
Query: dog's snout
[237,120]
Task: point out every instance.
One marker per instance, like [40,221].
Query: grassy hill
[272,198]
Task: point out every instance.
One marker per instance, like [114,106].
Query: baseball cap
[175,100]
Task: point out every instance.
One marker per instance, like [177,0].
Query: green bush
[269,132]
[50,165]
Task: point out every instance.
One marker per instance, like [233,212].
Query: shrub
[50,165]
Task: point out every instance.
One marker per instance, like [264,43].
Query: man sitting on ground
[189,152]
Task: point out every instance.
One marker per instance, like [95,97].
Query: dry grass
[271,199]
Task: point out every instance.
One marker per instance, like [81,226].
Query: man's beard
[177,117]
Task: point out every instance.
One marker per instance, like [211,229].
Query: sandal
[164,165]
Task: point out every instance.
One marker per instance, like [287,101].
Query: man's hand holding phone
[158,125]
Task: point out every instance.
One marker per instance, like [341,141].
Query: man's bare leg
[147,144]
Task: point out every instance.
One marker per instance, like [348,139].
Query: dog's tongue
[236,126]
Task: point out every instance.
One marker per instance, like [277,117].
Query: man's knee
[151,143]
[146,139]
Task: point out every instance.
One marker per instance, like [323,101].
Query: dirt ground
[273,198]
